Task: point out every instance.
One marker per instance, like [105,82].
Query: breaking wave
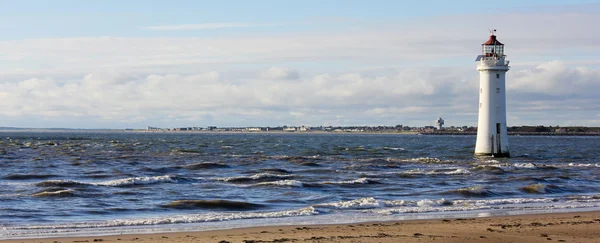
[113,183]
[260,177]
[56,193]
[288,183]
[177,219]
[351,182]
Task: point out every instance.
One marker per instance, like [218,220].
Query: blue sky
[35,19]
[116,64]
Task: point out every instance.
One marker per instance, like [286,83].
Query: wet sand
[563,227]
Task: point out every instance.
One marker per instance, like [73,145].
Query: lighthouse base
[497,155]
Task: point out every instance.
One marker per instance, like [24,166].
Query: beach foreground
[559,227]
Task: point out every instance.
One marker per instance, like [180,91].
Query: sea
[101,183]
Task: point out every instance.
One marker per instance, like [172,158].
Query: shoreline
[548,227]
[448,133]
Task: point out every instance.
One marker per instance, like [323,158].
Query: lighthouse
[492,138]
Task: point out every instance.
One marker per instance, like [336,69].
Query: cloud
[397,73]
[557,79]
[410,96]
[205,26]
[280,73]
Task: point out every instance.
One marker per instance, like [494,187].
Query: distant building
[289,129]
[439,123]
[254,129]
[561,130]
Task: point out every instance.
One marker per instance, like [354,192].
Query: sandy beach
[560,227]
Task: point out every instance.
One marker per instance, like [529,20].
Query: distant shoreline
[435,133]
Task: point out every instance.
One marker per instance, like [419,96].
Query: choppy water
[98,183]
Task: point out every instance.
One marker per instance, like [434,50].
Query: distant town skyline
[133,64]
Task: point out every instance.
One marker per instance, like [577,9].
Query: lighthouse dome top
[492,47]
[493,41]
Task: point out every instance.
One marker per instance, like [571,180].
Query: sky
[132,64]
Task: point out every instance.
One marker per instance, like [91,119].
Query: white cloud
[557,79]
[280,73]
[396,74]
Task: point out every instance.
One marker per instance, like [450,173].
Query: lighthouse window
[497,75]
[479,105]
[497,90]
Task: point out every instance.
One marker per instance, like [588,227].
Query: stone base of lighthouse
[497,155]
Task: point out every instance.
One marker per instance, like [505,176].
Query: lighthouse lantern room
[492,137]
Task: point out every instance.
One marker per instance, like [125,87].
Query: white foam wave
[361,203]
[292,183]
[119,182]
[442,205]
[53,193]
[457,171]
[177,219]
[395,149]
[138,181]
[490,202]
[255,177]
[524,165]
[426,160]
[357,181]
[388,211]
[583,165]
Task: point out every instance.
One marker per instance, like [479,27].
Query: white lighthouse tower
[492,138]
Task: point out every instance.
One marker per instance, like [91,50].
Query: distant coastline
[518,133]
[399,130]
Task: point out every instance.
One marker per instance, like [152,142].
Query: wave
[392,148]
[309,163]
[276,170]
[176,219]
[524,165]
[488,169]
[138,181]
[535,188]
[112,183]
[296,159]
[289,183]
[370,202]
[541,188]
[352,182]
[28,176]
[533,166]
[59,183]
[260,177]
[205,165]
[361,203]
[212,204]
[476,191]
[372,205]
[583,165]
[370,166]
[456,171]
[419,160]
[57,193]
